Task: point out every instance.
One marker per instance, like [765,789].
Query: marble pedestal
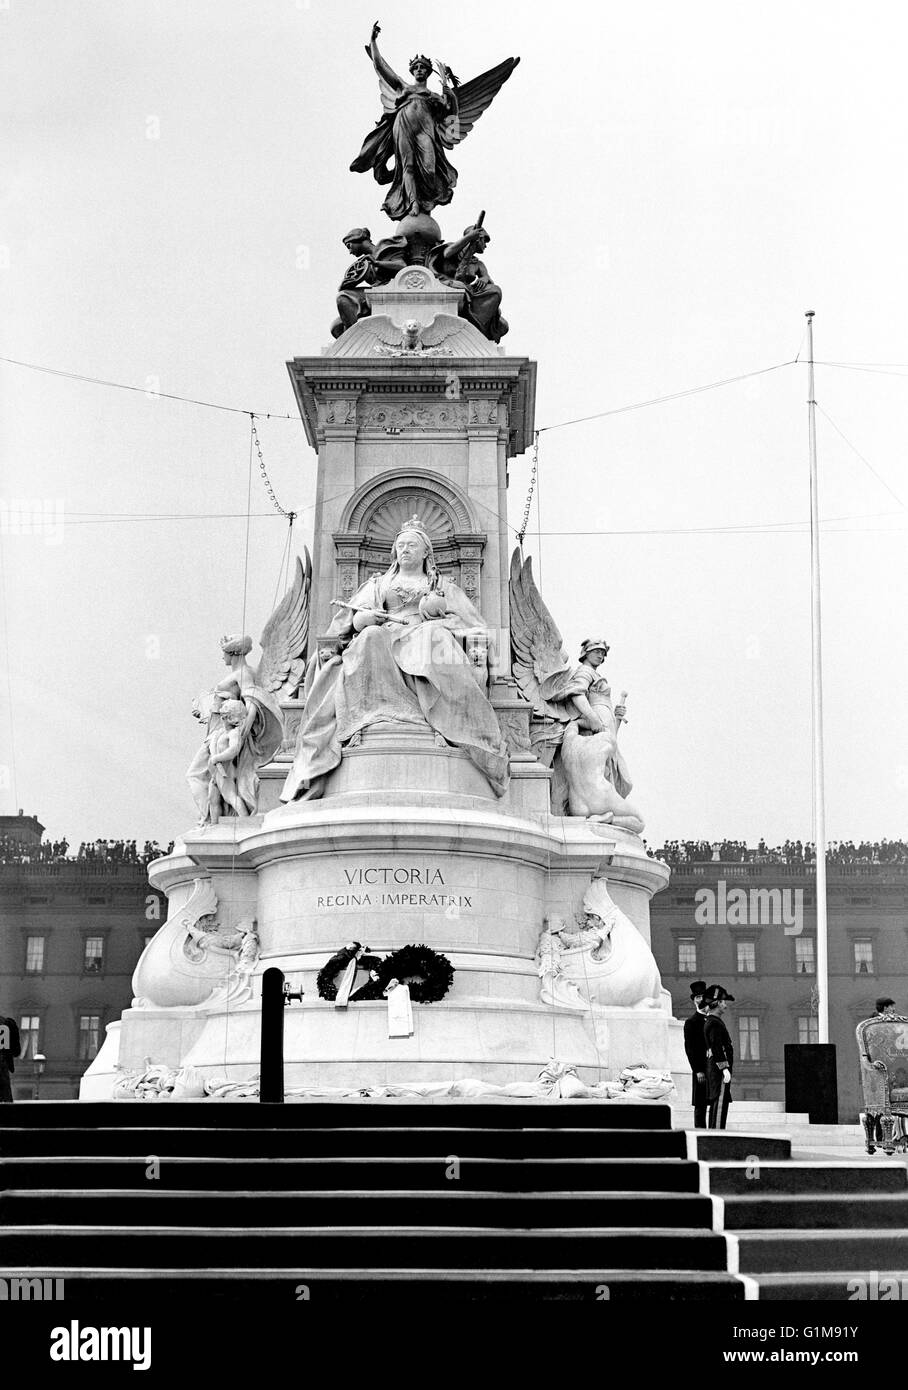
[408,846]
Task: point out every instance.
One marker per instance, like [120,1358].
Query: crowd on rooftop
[674,852]
[95,852]
[792,852]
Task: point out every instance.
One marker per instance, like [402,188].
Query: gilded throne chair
[883,1048]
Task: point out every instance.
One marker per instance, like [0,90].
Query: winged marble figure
[244,725]
[575,729]
[407,147]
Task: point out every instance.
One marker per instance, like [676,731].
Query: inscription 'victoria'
[375,876]
[390,876]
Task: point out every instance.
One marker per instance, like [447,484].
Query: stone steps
[779,1250]
[838,1211]
[467,1201]
[422,1174]
[345,1115]
[793,1126]
[363,1246]
[757,1117]
[845,1286]
[234,1285]
[747,1179]
[774,1106]
[442,1210]
[435,1141]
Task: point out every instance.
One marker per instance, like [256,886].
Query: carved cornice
[511,379]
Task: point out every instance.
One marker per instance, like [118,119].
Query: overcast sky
[668,188]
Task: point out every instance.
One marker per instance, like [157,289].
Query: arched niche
[376,513]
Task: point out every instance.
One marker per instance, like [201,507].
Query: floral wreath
[331,971]
[428,974]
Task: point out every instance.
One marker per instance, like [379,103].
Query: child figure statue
[225,744]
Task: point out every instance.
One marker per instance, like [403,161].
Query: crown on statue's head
[421,58]
[414,524]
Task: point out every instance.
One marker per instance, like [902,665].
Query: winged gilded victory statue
[407,148]
[244,725]
[575,729]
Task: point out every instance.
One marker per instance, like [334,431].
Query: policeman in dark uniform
[720,1054]
[10,1047]
[695,1047]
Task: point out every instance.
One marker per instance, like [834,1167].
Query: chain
[533,472]
[291,516]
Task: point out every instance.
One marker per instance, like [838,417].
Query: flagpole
[819,791]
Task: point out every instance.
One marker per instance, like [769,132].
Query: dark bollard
[271,1083]
[275,994]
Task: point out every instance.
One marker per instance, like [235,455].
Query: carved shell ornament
[390,518]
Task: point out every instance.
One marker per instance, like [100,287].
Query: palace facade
[72,931]
[752,928]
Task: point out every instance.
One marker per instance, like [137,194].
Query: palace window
[34,955]
[863,957]
[748,1037]
[746,957]
[93,959]
[89,1036]
[30,1034]
[808,1028]
[687,956]
[805,955]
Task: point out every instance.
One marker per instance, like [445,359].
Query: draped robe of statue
[409,139]
[405,670]
[238,780]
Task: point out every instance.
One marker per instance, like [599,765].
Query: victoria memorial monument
[415,759]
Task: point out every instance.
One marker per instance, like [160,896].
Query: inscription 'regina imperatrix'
[391,875]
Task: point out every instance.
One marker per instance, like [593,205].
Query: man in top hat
[695,1047]
[720,1054]
[10,1047]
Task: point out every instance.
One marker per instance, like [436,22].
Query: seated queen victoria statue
[400,657]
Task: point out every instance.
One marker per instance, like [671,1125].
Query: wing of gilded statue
[540,665]
[473,98]
[286,635]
